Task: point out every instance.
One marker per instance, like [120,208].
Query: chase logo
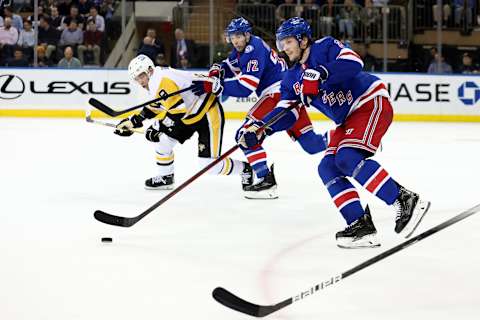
[469,93]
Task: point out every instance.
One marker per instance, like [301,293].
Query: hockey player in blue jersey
[328,76]
[253,67]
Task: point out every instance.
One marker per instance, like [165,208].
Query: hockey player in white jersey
[177,118]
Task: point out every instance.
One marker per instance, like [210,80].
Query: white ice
[56,173]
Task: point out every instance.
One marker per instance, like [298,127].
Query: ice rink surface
[56,173]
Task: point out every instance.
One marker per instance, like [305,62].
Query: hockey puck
[107,239]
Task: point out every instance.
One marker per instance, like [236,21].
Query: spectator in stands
[148,48]
[310,11]
[287,10]
[369,61]
[160,60]
[370,17]
[84,7]
[347,17]
[74,15]
[55,18]
[92,39]
[71,36]
[99,21]
[47,37]
[439,65]
[8,38]
[42,59]
[463,11]
[327,19]
[31,18]
[184,63]
[467,66]
[64,7]
[222,50]
[69,61]
[349,14]
[441,15]
[152,33]
[183,49]
[106,10]
[26,39]
[18,59]
[17,21]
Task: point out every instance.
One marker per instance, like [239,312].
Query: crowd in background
[71,33]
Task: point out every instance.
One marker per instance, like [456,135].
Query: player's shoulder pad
[325,43]
[255,46]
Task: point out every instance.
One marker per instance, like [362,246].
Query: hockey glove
[209,85]
[312,79]
[252,135]
[216,71]
[153,134]
[124,126]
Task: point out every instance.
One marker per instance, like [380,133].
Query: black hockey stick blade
[231,301]
[113,113]
[128,222]
[114,220]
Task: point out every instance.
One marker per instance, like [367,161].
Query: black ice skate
[359,234]
[160,183]
[266,188]
[410,211]
[246,175]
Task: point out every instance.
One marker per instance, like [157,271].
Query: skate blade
[169,187]
[419,212]
[265,194]
[369,241]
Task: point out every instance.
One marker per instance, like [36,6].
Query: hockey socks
[225,167]
[164,163]
[346,198]
[343,193]
[258,160]
[373,177]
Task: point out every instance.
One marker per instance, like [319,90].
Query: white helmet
[139,65]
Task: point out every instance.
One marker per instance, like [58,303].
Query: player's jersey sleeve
[287,98]
[252,64]
[230,65]
[341,62]
[174,104]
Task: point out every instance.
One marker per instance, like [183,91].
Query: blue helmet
[238,25]
[294,27]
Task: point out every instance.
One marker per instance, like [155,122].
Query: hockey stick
[89,119]
[113,113]
[128,222]
[231,301]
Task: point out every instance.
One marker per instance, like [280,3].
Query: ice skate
[359,234]
[410,211]
[265,188]
[160,183]
[247,176]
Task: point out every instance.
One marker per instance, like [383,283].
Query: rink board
[64,93]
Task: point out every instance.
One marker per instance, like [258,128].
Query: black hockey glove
[124,126]
[153,134]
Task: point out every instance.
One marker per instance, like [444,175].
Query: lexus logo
[11,86]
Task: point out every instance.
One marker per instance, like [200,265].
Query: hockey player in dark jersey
[328,76]
[253,67]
